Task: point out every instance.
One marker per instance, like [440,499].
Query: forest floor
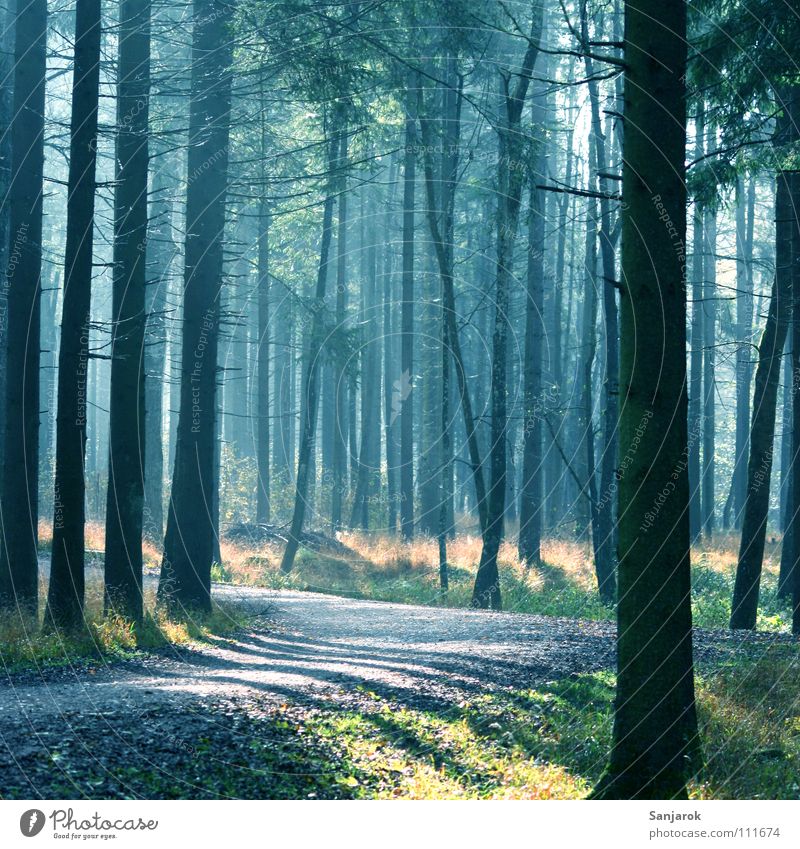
[336,697]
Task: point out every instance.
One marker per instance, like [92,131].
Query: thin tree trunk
[604,546]
[530,505]
[368,479]
[440,220]
[709,372]
[590,340]
[160,251]
[428,448]
[403,385]
[745,208]
[744,607]
[263,513]
[339,435]
[311,364]
[486,592]
[262,400]
[389,357]
[696,354]
[787,548]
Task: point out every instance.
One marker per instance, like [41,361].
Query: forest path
[318,652]
[317,643]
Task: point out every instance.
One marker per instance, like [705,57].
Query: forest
[398,399]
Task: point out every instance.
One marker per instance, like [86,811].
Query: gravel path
[319,643]
[317,650]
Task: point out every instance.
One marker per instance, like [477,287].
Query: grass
[25,645]
[548,742]
[551,742]
[387,569]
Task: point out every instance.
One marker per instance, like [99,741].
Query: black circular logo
[31,822]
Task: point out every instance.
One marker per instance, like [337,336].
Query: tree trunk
[339,435]
[404,384]
[311,364]
[368,478]
[696,354]
[655,726]
[787,548]
[530,503]
[7,17]
[745,209]
[160,252]
[744,607]
[66,591]
[794,198]
[604,545]
[19,571]
[189,543]
[389,358]
[263,513]
[486,592]
[709,372]
[430,419]
[262,400]
[126,462]
[590,340]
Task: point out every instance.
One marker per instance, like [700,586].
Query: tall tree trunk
[126,461]
[262,400]
[262,382]
[404,384]
[340,383]
[787,547]
[554,463]
[189,542]
[428,447]
[604,546]
[368,478]
[66,591]
[530,505]
[709,372]
[6,120]
[788,130]
[311,365]
[744,607]
[697,341]
[745,209]
[283,440]
[391,435]
[590,341]
[794,196]
[160,252]
[19,505]
[511,160]
[440,211]
[445,476]
[655,725]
